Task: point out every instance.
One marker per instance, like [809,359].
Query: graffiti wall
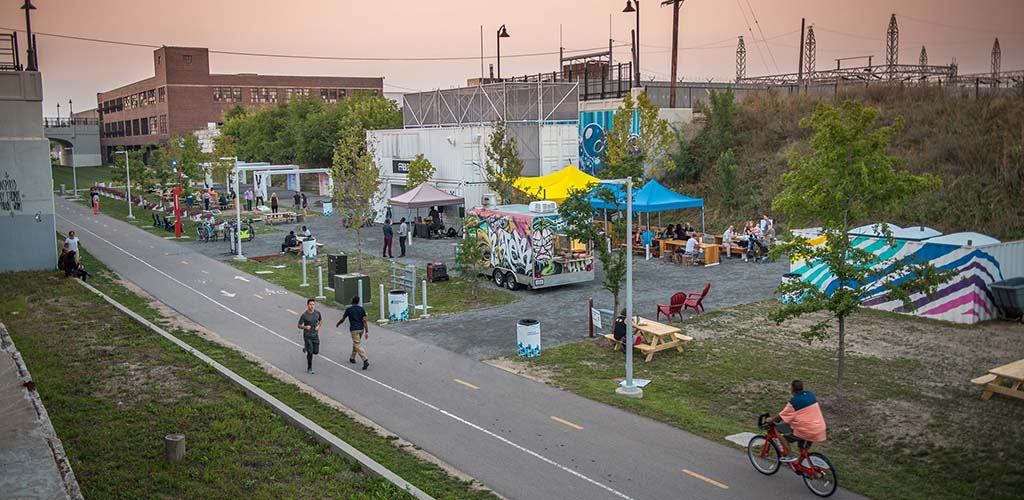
[522,243]
[593,125]
[964,299]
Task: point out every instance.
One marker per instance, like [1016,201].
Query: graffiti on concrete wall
[593,125]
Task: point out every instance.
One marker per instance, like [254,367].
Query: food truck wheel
[499,278]
[510,281]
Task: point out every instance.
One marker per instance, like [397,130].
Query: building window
[161,94]
[188,58]
[127,128]
[152,125]
[254,94]
[163,124]
[151,96]
[136,129]
[273,95]
[144,126]
[236,94]
[216,95]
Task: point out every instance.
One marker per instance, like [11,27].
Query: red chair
[674,307]
[695,301]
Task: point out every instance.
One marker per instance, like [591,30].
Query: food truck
[523,247]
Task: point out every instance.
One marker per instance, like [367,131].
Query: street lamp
[502,33]
[629,389]
[636,50]
[128,174]
[238,211]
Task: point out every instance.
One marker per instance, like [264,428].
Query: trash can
[528,338]
[791,297]
[309,248]
[1008,296]
[398,305]
[63,189]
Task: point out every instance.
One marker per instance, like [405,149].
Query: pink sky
[391,28]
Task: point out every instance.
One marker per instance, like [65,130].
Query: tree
[140,174]
[189,154]
[420,171]
[503,166]
[729,189]
[223,147]
[578,224]
[847,179]
[469,253]
[638,142]
[693,157]
[360,191]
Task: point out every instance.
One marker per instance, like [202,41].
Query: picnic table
[279,217]
[670,246]
[1011,374]
[710,253]
[656,337]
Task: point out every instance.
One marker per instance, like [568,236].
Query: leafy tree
[360,192]
[420,171]
[189,154]
[578,218]
[847,179]
[693,157]
[503,166]
[629,155]
[223,147]
[140,174]
[729,188]
[469,253]
[160,167]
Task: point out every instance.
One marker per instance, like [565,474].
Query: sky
[74,69]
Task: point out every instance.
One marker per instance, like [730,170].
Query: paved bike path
[521,438]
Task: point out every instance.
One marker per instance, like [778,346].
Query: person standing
[95,202]
[273,203]
[305,204]
[359,327]
[297,200]
[72,242]
[206,200]
[389,233]
[727,241]
[248,199]
[309,323]
[259,199]
[232,195]
[403,235]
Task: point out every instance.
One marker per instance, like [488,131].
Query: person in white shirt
[306,232]
[727,241]
[691,246]
[73,244]
[403,235]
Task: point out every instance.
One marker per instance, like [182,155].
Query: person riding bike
[803,422]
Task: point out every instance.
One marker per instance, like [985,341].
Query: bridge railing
[10,59]
[52,122]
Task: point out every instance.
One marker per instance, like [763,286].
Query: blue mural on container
[593,125]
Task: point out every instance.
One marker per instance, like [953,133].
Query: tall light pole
[636,52]
[502,33]
[238,211]
[128,175]
[629,389]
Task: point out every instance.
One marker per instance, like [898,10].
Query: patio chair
[695,301]
[674,307]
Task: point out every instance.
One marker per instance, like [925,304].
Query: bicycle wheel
[767,464]
[825,481]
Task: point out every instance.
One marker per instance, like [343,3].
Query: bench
[984,379]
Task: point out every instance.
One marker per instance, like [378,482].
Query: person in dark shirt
[289,241]
[309,323]
[389,233]
[359,327]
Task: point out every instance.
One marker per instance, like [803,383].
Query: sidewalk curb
[63,465]
[369,466]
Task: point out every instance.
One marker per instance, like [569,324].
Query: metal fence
[10,59]
[596,81]
[511,102]
[51,122]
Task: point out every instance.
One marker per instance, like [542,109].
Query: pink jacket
[804,414]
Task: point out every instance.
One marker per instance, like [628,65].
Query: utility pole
[892,47]
[676,5]
[800,60]
[33,65]
[923,58]
[741,60]
[810,49]
[997,56]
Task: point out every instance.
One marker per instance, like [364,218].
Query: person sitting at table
[668,233]
[692,248]
[619,329]
[681,233]
[306,232]
[756,247]
[727,241]
[290,241]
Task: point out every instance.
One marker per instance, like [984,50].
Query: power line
[307,57]
[758,24]
[988,31]
[720,44]
[756,46]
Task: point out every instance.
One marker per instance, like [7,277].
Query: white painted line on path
[227,294]
[258,296]
[204,271]
[239,278]
[264,272]
[358,373]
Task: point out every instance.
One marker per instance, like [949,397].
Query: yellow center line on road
[463,382]
[258,296]
[566,422]
[291,311]
[706,479]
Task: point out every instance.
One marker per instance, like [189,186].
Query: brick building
[183,96]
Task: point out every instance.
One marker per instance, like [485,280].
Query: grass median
[114,389]
[444,297]
[87,176]
[913,425]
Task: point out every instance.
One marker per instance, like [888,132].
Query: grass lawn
[87,177]
[914,426]
[458,294]
[105,376]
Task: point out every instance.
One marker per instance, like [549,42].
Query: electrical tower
[892,47]
[741,59]
[997,56]
[923,60]
[810,48]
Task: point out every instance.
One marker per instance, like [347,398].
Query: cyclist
[803,422]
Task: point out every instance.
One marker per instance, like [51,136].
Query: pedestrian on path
[359,327]
[305,205]
[297,200]
[273,202]
[259,199]
[95,202]
[248,199]
[389,234]
[309,323]
[403,235]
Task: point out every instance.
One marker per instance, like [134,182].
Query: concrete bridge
[77,137]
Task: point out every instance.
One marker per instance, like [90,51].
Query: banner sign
[400,166]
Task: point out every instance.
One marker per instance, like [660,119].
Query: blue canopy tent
[653,197]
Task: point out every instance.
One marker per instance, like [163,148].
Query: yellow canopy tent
[555,186]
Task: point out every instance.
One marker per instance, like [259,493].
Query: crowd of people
[755,238]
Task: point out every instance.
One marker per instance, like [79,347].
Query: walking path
[521,438]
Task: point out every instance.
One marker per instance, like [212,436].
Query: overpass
[76,136]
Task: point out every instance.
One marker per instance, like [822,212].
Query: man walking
[309,323]
[403,235]
[358,327]
[248,199]
[73,243]
[389,234]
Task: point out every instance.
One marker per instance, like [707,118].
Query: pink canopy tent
[425,195]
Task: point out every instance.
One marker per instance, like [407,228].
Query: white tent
[967,238]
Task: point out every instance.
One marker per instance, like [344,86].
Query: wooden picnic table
[670,246]
[273,218]
[710,253]
[997,378]
[656,337]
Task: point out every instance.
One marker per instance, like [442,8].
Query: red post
[590,315]
[177,195]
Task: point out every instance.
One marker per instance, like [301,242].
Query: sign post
[177,194]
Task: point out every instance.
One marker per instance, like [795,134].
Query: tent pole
[702,219]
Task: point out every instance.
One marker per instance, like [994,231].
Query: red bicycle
[766,450]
